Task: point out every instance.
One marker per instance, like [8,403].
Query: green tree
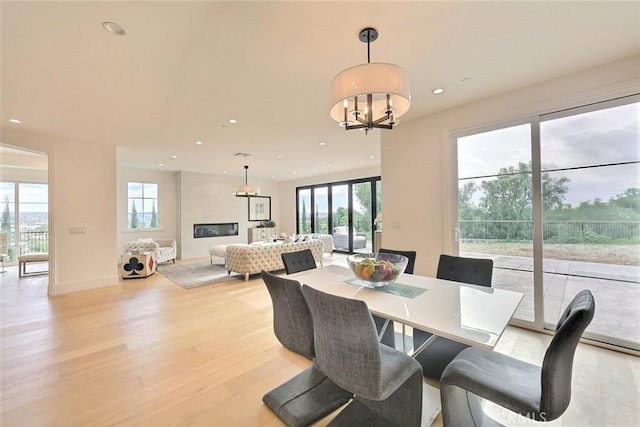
[629,199]
[6,216]
[305,227]
[154,217]
[466,207]
[134,216]
[340,216]
[509,196]
[362,192]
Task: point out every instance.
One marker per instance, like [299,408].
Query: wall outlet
[77,230]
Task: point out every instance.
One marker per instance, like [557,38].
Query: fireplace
[215,230]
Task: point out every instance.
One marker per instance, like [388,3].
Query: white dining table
[470,314]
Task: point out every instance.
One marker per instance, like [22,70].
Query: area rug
[196,274]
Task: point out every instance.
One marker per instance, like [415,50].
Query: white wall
[167,202]
[418,166]
[188,198]
[287,191]
[207,198]
[82,193]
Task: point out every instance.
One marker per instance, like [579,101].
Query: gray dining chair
[387,383]
[541,393]
[310,395]
[388,335]
[295,262]
[440,351]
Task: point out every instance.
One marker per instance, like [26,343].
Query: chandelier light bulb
[368,89]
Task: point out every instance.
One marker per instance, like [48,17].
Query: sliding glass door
[555,202]
[592,235]
[347,210]
[495,210]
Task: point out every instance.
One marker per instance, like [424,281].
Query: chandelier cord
[368,46]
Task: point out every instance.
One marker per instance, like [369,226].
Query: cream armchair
[164,249]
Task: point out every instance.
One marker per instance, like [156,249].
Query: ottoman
[219,251]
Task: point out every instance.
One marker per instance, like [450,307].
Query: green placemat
[399,289]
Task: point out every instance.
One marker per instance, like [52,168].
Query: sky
[594,138]
[33,197]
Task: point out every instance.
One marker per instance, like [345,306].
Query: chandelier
[245,190]
[371,95]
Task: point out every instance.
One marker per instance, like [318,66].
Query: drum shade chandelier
[245,190]
[371,95]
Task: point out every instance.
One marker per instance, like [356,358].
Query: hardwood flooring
[146,352]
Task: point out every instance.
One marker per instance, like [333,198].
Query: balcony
[29,242]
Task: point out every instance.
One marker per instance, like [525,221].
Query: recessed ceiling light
[114,28]
[371,157]
[438,91]
[233,121]
[279,156]
[323,143]
[198,142]
[15,121]
[224,171]
[273,177]
[174,157]
[160,164]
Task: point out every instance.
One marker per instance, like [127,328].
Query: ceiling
[184,69]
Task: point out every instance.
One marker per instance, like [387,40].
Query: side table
[133,266]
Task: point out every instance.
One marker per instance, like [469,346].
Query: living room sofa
[253,258]
[164,249]
[327,241]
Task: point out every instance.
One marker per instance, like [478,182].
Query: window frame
[142,183]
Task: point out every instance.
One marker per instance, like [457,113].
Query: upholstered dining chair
[310,395]
[298,261]
[539,393]
[388,335]
[411,256]
[387,383]
[437,355]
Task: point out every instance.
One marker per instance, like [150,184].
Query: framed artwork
[259,208]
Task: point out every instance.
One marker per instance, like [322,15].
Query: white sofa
[253,258]
[327,241]
[164,249]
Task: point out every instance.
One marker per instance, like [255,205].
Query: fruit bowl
[377,270]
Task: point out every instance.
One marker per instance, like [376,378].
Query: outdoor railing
[29,242]
[34,242]
[555,231]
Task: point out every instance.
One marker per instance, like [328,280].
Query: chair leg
[462,408]
[306,398]
[402,409]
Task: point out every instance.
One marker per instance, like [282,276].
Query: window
[142,203]
[338,207]
[555,202]
[25,219]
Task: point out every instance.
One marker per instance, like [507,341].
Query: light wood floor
[146,352]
